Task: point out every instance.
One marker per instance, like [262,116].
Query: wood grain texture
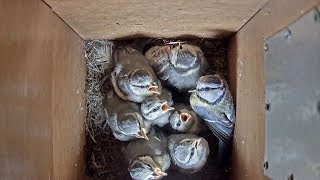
[41,68]
[247,58]
[124,18]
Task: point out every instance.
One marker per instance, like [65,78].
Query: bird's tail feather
[224,136]
[223,151]
[220,131]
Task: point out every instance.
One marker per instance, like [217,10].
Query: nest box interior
[42,77]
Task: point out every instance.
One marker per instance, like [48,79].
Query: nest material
[104,157]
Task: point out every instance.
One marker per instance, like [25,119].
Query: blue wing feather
[215,124]
[203,112]
[220,131]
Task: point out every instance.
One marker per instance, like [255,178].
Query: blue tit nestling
[166,95]
[185,120]
[179,65]
[188,152]
[156,111]
[124,118]
[212,101]
[133,79]
[148,159]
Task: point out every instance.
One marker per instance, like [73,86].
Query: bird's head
[184,57]
[210,87]
[181,120]
[145,168]
[142,83]
[153,108]
[132,124]
[191,151]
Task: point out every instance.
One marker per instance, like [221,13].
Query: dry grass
[98,64]
[104,158]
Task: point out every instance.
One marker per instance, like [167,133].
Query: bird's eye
[206,89]
[154,110]
[148,166]
[178,124]
[192,153]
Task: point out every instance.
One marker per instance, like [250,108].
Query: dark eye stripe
[139,123]
[204,89]
[152,110]
[149,166]
[139,86]
[146,165]
[192,153]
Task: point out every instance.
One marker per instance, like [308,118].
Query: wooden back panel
[110,19]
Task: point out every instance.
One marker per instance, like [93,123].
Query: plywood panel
[68,104]
[121,18]
[247,51]
[41,68]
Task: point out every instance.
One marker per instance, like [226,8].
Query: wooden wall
[246,58]
[111,19]
[42,75]
[41,84]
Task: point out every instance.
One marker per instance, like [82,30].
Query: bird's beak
[160,173]
[165,107]
[184,117]
[143,134]
[153,89]
[197,143]
[192,91]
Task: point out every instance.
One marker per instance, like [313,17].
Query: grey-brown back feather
[114,106]
[155,146]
